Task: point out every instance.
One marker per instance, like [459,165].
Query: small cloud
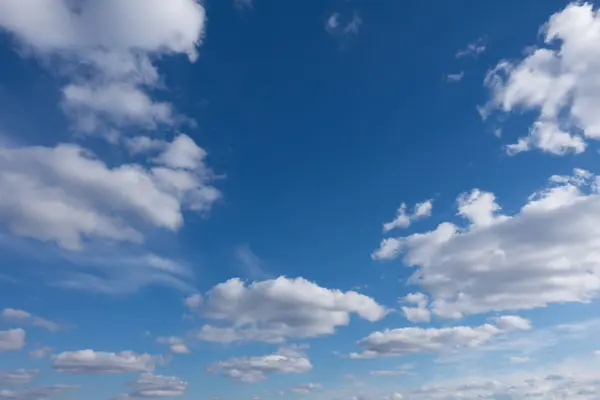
[194,302]
[176,345]
[455,77]
[333,22]
[339,25]
[403,220]
[472,50]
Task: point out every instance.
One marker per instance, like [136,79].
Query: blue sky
[261,199]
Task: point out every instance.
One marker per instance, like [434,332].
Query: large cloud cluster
[546,253]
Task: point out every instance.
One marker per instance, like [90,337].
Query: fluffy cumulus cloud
[545,253]
[420,311]
[287,360]
[98,362]
[412,340]
[276,309]
[12,339]
[11,314]
[65,194]
[403,220]
[17,377]
[39,393]
[557,81]
[110,87]
[150,386]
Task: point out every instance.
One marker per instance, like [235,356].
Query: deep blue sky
[316,138]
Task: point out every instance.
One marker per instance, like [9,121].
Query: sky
[324,199]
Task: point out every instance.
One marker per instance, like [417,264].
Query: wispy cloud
[339,24]
[249,262]
[473,49]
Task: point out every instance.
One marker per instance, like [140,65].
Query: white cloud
[194,301]
[40,393]
[420,313]
[558,81]
[456,77]
[183,153]
[176,345]
[545,253]
[65,195]
[423,209]
[549,137]
[12,339]
[403,220]
[171,27]
[148,385]
[256,369]
[388,249]
[12,314]
[122,103]
[17,377]
[110,86]
[473,49]
[98,362]
[512,322]
[276,309]
[412,340]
